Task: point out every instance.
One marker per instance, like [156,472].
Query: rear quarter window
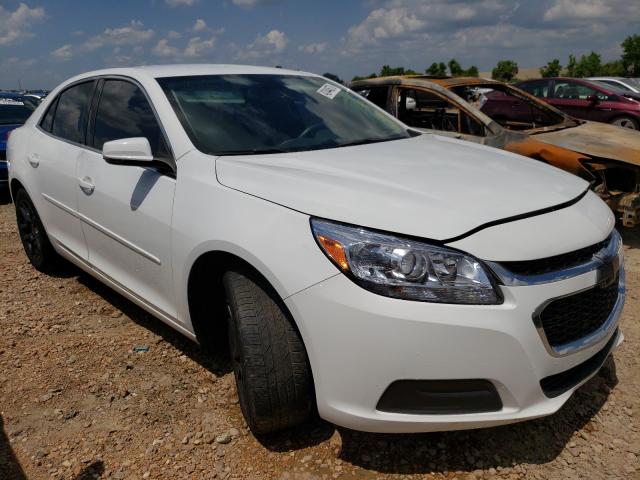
[71,113]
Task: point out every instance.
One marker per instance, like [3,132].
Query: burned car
[499,115]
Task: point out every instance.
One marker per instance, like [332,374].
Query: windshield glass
[14,111]
[253,114]
[507,107]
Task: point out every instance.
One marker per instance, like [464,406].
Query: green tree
[631,55]
[455,69]
[387,71]
[551,69]
[571,66]
[613,69]
[371,75]
[589,65]
[472,71]
[437,69]
[333,77]
[505,71]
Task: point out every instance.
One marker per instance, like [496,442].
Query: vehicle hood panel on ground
[597,140]
[429,186]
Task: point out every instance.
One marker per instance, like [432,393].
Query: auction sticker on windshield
[328,91]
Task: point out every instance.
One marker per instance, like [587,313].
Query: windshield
[14,111]
[253,114]
[510,109]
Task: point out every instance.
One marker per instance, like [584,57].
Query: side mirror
[128,151]
[593,99]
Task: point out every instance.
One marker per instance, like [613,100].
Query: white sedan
[395,281]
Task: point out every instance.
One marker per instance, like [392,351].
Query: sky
[43,42]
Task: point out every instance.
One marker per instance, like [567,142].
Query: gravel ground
[79,401]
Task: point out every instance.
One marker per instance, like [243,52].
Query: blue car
[14,111]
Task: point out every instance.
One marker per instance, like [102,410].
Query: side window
[424,109]
[576,91]
[70,120]
[47,121]
[124,112]
[376,95]
[538,89]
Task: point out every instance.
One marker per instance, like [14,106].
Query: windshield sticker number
[10,101]
[328,91]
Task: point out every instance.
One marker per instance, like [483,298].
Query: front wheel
[33,235]
[270,362]
[625,122]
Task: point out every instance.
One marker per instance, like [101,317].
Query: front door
[127,209]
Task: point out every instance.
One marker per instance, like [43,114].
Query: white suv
[396,281]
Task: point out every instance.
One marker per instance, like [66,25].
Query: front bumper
[359,343]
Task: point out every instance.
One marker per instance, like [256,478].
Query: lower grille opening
[571,318]
[440,397]
[562,382]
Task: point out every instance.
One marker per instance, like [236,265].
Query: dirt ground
[93,387]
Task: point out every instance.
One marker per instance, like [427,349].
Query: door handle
[86,185]
[33,159]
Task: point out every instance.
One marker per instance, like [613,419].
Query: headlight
[404,268]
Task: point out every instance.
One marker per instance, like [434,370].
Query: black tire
[270,362]
[33,235]
[625,122]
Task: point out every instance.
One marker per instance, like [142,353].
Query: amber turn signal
[335,250]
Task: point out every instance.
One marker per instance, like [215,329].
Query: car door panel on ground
[127,209]
[53,155]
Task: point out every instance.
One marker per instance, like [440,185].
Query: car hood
[597,140]
[428,186]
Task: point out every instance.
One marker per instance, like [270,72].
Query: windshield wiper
[366,141]
[253,151]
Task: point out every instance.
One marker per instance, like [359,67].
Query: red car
[588,100]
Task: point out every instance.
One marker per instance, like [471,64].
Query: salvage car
[394,281]
[588,100]
[14,111]
[499,115]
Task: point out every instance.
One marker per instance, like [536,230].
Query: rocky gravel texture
[93,387]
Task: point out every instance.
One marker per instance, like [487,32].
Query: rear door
[53,155]
[127,209]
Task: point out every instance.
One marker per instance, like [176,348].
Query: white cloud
[163,49]
[571,9]
[199,25]
[198,46]
[65,52]
[14,26]
[131,34]
[181,3]
[173,34]
[252,3]
[312,48]
[272,43]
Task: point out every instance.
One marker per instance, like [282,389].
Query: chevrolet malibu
[392,280]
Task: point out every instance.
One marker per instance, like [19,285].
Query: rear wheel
[33,235]
[625,122]
[270,362]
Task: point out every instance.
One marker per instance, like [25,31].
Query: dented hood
[428,186]
[597,140]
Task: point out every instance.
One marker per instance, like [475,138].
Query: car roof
[445,82]
[11,95]
[184,70]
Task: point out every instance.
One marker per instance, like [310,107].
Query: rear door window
[70,120]
[124,112]
[538,89]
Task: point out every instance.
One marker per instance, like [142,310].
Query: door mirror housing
[593,99]
[128,151]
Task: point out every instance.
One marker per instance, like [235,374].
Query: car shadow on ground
[498,447]
[9,466]
[218,363]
